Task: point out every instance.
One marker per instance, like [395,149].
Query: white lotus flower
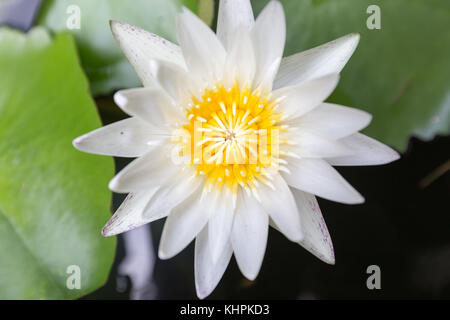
[236,85]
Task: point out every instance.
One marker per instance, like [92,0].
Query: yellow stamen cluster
[233,137]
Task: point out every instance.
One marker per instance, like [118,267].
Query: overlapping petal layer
[242,66]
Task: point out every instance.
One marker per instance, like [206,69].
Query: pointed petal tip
[113,24]
[76,142]
[369,118]
[161,255]
[325,257]
[106,232]
[354,199]
[201,294]
[352,39]
[163,252]
[184,11]
[108,229]
[164,255]
[395,155]
[358,200]
[331,79]
[354,35]
[335,76]
[120,99]
[114,27]
[391,155]
[275,4]
[331,260]
[328,258]
[251,276]
[114,185]
[79,143]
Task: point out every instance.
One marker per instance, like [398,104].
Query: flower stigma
[232,138]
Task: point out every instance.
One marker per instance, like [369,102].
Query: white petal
[240,62]
[367,151]
[220,224]
[183,224]
[279,204]
[149,104]
[125,138]
[317,239]
[317,62]
[305,144]
[149,171]
[269,35]
[232,15]
[318,177]
[140,46]
[129,214]
[297,100]
[203,52]
[333,120]
[207,272]
[173,192]
[176,82]
[249,235]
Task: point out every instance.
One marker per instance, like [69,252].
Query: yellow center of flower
[233,137]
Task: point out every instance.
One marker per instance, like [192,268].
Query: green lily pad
[53,199]
[400,73]
[101,57]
